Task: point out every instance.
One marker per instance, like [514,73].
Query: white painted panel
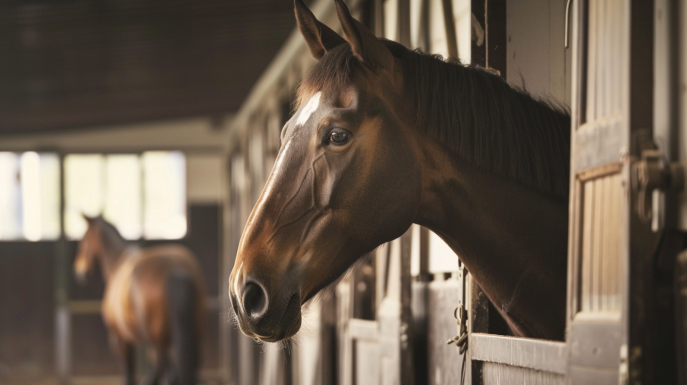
[391,19]
[462,17]
[415,250]
[416,24]
[308,347]
[437,29]
[441,258]
[367,363]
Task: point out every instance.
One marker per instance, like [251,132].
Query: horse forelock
[331,74]
[472,112]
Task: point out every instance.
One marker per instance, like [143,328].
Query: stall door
[610,240]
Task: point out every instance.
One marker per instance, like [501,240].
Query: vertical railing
[62,316]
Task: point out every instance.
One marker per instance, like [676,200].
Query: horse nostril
[254,300]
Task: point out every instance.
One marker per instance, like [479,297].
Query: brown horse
[385,137]
[153,296]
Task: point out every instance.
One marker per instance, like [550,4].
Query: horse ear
[319,37]
[364,44]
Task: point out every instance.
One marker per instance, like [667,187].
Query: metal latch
[651,173]
[461,340]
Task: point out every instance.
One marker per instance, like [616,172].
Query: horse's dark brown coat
[449,147]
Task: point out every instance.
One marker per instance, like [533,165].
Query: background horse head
[385,137]
[101,244]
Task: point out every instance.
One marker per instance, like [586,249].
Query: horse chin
[284,331]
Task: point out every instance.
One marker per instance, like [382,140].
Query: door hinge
[653,172]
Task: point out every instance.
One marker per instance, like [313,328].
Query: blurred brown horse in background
[385,137]
[153,296]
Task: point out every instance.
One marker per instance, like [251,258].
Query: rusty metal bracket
[651,173]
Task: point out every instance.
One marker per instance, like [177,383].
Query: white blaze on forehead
[310,107]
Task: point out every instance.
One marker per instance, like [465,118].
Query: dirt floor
[95,380]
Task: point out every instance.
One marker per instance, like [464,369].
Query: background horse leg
[127,352]
[158,359]
[181,293]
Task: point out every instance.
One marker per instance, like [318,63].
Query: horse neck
[113,247]
[504,233]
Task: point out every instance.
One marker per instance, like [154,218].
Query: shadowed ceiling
[68,64]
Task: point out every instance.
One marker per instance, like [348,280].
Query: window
[29,196]
[143,195]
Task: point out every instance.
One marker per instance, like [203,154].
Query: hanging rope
[461,315]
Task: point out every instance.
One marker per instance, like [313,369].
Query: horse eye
[338,137]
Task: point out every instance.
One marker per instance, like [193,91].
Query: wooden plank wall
[601,251]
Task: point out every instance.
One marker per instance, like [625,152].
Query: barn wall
[28,305]
[192,133]
[536,55]
[26,310]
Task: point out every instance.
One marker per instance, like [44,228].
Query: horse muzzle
[268,319]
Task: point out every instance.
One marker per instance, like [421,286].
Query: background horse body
[153,296]
[385,137]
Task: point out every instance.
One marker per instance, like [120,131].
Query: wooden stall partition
[612,329]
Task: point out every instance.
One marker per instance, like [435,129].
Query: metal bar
[62,316]
[407,362]
[548,356]
[478,54]
[567,23]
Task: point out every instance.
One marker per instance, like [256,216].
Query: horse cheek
[325,179]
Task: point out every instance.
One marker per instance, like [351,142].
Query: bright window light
[50,196]
[31,195]
[164,195]
[123,194]
[10,193]
[142,195]
[83,191]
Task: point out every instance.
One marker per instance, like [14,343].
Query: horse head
[90,249]
[346,180]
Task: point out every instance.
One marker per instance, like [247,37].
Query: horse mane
[110,238]
[474,113]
